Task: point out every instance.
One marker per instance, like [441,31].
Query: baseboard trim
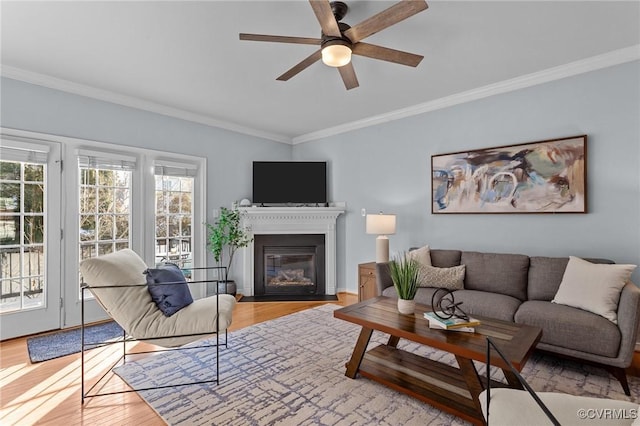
[290,298]
[637,346]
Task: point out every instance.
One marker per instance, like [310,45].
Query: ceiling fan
[339,40]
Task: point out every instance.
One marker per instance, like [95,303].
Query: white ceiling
[185,58]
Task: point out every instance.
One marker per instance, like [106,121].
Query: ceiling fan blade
[301,66]
[327,21]
[386,54]
[348,75]
[396,13]
[279,39]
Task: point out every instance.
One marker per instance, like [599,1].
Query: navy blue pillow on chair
[169,298]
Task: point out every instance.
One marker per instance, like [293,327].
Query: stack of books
[453,323]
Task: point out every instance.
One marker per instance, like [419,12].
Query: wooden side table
[367,287]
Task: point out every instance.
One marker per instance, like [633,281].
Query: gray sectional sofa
[520,288]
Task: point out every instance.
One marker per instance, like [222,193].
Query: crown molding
[133,102]
[615,57]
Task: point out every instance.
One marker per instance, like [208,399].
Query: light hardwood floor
[49,392]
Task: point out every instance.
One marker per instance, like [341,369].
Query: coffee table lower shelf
[435,383]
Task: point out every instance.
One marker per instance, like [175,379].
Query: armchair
[527,407]
[119,285]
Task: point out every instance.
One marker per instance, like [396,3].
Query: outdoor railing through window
[22,231]
[174,188]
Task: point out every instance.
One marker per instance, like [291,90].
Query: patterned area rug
[67,342]
[290,371]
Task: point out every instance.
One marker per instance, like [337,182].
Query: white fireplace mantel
[290,220]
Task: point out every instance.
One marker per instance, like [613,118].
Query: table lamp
[381,225]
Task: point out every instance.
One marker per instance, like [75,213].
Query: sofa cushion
[492,305]
[497,273]
[445,258]
[595,288]
[571,328]
[423,295]
[545,276]
[450,278]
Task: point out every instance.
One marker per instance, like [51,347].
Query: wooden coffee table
[448,388]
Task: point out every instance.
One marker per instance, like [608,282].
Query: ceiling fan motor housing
[344,40]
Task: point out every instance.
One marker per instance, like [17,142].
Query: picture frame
[548,176]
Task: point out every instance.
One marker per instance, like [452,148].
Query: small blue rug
[67,342]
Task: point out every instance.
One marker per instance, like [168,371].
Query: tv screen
[296,182]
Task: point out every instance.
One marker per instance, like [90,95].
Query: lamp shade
[381,224]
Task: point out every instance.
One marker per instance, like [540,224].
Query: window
[105,204]
[22,229]
[174,196]
[110,197]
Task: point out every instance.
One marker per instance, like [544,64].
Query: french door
[104,199]
[30,236]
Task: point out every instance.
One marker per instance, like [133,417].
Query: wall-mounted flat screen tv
[290,182]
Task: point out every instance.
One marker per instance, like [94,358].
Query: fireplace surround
[287,221]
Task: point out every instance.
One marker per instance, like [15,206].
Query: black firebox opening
[289,264]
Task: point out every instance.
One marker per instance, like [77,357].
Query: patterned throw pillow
[449,278]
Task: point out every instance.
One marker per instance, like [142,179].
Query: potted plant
[225,237]
[405,272]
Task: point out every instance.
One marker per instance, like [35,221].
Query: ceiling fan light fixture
[336,53]
[339,40]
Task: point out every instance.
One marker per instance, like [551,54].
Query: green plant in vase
[405,274]
[225,237]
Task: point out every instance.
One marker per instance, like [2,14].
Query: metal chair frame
[524,383]
[125,339]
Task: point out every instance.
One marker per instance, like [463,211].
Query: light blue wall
[229,155]
[387,167]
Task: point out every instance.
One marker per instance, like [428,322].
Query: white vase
[406,307]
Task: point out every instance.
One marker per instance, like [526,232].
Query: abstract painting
[536,177]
